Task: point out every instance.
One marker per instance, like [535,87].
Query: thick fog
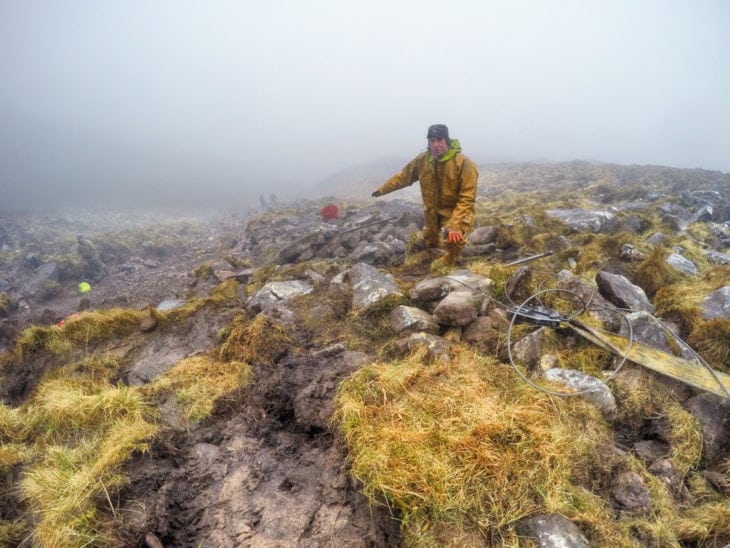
[215,102]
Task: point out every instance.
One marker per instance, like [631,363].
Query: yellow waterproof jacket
[448,187]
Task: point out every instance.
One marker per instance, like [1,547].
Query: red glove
[454,236]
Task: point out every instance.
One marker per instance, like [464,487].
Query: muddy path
[263,471]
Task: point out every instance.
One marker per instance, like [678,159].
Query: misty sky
[188,100]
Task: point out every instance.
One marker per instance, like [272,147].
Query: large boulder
[370,286]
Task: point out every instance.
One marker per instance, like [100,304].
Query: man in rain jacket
[448,188]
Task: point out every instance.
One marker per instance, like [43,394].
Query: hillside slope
[226,382]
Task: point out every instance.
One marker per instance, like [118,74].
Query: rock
[600,308]
[703,215]
[410,319]
[711,412]
[274,293]
[529,349]
[717,304]
[715,257]
[629,253]
[651,450]
[648,330]
[631,494]
[583,220]
[591,388]
[657,239]
[301,249]
[370,286]
[622,292]
[718,480]
[551,531]
[664,470]
[517,287]
[458,308]
[223,275]
[682,264]
[477,330]
[430,289]
[148,323]
[169,304]
[483,235]
[436,347]
[376,253]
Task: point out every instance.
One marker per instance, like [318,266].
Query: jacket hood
[453,150]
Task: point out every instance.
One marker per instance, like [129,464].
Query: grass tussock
[73,436]
[68,485]
[198,384]
[257,340]
[654,273]
[462,446]
[77,331]
[711,339]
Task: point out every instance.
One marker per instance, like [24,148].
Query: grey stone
[631,494]
[622,292]
[483,235]
[430,289]
[552,531]
[596,391]
[529,349]
[600,308]
[477,330]
[48,271]
[370,286]
[715,257]
[628,252]
[656,239]
[436,348]
[677,261]
[711,412]
[411,319]
[651,450]
[717,304]
[648,330]
[274,293]
[458,308]
[584,220]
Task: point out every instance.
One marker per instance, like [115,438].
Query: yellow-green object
[84,287]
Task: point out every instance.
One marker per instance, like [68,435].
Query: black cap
[439,131]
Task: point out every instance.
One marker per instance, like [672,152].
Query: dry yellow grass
[259,339]
[199,382]
[464,450]
[463,445]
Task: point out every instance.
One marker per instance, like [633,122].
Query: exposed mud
[264,471]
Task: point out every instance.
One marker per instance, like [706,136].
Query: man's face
[437,147]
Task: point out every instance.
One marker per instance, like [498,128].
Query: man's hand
[454,236]
[376,194]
